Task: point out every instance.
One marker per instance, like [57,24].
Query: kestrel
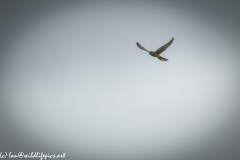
[158,51]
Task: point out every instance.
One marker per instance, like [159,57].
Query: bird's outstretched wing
[164,47]
[141,47]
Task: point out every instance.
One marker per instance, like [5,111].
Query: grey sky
[74,81]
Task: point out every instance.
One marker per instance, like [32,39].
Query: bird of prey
[158,51]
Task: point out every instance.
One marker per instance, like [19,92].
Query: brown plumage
[158,51]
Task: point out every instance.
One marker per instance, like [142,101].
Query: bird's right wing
[164,47]
[141,47]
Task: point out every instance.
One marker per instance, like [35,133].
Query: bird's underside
[158,51]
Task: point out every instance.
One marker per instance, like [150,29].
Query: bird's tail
[162,58]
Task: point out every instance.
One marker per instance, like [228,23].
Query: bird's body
[158,51]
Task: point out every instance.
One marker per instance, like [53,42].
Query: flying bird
[158,51]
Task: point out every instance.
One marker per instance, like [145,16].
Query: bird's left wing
[141,47]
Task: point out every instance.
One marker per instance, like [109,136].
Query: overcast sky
[73,80]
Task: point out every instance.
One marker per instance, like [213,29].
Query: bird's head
[151,52]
